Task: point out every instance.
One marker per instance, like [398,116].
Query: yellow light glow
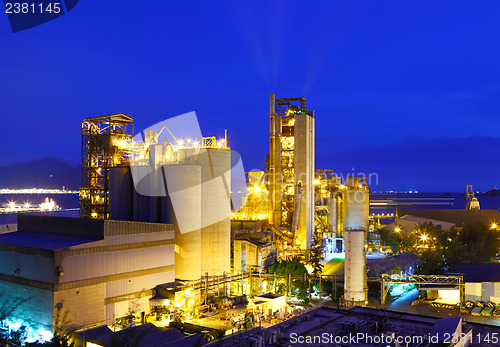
[397,229]
[494,225]
[122,143]
[423,237]
[180,142]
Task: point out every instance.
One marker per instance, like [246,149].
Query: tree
[430,263]
[302,289]
[479,242]
[316,256]
[8,307]
[284,268]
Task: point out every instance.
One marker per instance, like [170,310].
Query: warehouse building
[457,217]
[482,283]
[90,271]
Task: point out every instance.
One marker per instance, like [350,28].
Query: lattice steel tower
[105,141]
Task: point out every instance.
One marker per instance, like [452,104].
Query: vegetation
[301,288]
[8,309]
[316,256]
[441,249]
[294,268]
[284,268]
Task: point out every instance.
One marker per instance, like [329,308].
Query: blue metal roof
[42,240]
[478,272]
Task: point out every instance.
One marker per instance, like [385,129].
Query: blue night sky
[409,90]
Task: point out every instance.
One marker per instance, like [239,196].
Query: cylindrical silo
[354,266]
[332,216]
[216,210]
[120,193]
[357,207]
[149,187]
[184,192]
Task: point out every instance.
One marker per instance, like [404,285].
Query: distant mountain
[48,172]
[493,192]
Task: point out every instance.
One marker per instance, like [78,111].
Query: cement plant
[160,256]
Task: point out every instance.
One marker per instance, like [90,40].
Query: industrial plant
[159,238]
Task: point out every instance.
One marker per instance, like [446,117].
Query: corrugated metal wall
[83,267]
[30,266]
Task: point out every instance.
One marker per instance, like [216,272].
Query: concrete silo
[184,191]
[356,223]
[354,266]
[186,182]
[357,208]
[215,166]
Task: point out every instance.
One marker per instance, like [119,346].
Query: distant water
[64,201]
[379,202]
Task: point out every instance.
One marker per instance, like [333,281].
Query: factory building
[253,255]
[482,283]
[458,217]
[91,271]
[159,178]
[407,224]
[362,326]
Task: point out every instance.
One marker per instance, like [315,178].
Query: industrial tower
[104,145]
[291,168]
[472,202]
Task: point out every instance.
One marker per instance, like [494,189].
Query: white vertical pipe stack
[354,266]
[356,225]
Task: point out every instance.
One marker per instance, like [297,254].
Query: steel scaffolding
[105,141]
[389,280]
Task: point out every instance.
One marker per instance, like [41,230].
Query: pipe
[298,195]
[274,215]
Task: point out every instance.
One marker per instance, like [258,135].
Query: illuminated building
[162,179]
[252,255]
[94,271]
[291,168]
